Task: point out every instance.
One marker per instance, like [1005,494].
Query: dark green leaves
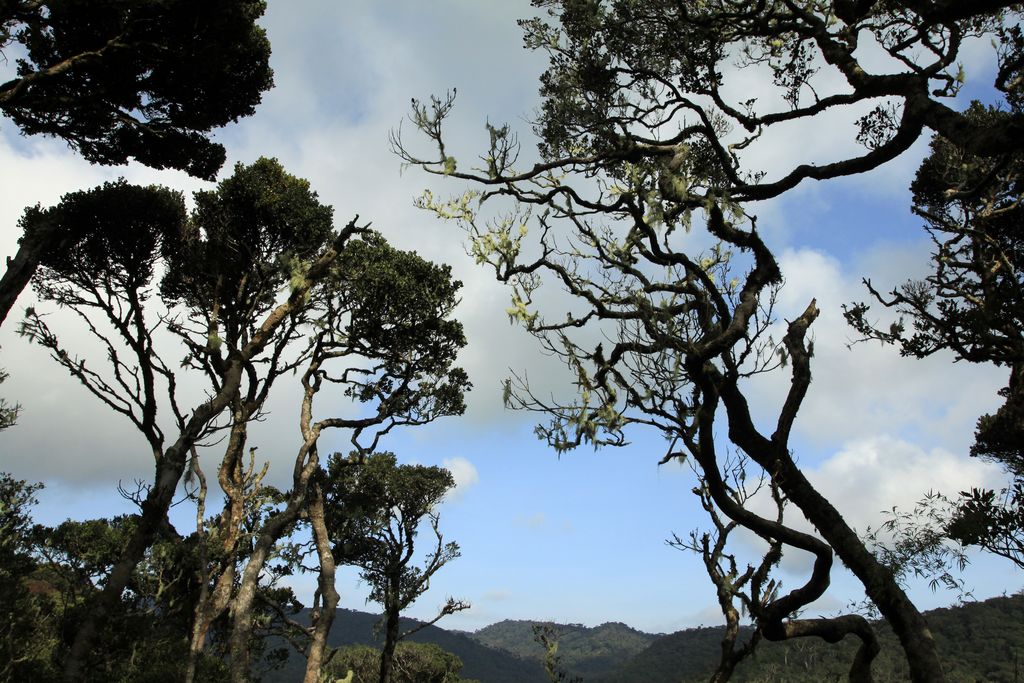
[235,253]
[110,234]
[371,496]
[148,80]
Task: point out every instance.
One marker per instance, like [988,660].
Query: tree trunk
[171,466]
[169,469]
[154,513]
[212,604]
[328,593]
[245,599]
[273,530]
[22,266]
[391,626]
[878,581]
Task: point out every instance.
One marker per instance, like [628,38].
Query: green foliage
[8,412]
[145,80]
[639,131]
[546,636]
[256,266]
[399,310]
[972,304]
[375,508]
[25,637]
[243,242]
[112,235]
[991,521]
[414,663]
[917,543]
[352,627]
[47,576]
[373,514]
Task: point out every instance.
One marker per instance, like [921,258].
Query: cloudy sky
[575,539]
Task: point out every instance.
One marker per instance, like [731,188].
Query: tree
[374,510]
[380,334]
[54,571]
[23,632]
[144,80]
[546,636]
[118,238]
[637,138]
[753,588]
[8,412]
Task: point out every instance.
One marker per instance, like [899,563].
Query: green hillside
[480,662]
[982,641]
[584,651]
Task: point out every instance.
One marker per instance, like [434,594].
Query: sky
[578,538]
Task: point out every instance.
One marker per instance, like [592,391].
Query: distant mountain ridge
[978,641]
[981,641]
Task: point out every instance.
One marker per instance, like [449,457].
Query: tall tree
[374,512]
[24,648]
[380,333]
[638,135]
[117,239]
[129,80]
[244,243]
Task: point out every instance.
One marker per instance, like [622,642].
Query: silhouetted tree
[381,334]
[115,238]
[972,304]
[638,137]
[374,512]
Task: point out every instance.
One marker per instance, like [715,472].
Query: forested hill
[981,641]
[479,662]
[584,651]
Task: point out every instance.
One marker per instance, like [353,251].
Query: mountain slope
[982,641]
[480,662]
[586,652]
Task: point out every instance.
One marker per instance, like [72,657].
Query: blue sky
[578,538]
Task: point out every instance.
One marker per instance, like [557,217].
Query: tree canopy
[117,80]
[374,511]
[135,80]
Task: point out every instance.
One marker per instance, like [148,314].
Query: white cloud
[865,480]
[867,389]
[327,120]
[872,475]
[465,475]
